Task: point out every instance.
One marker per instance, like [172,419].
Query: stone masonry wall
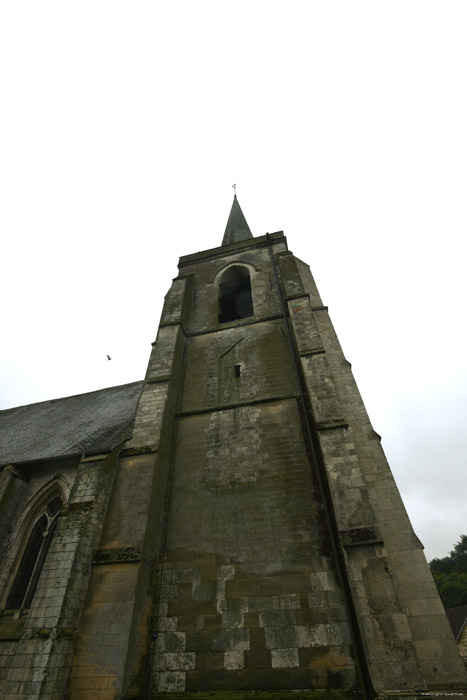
[13,486]
[260,352]
[43,656]
[404,628]
[102,643]
[206,269]
[248,596]
[22,493]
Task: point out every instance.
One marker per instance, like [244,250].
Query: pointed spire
[237,228]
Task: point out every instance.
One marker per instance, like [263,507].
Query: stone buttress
[111,648]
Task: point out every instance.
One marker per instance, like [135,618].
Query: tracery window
[235,300]
[34,553]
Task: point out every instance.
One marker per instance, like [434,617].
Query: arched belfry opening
[235,299]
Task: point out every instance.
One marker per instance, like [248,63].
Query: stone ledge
[136,451]
[360,536]
[77,506]
[226,250]
[299,295]
[68,633]
[167,324]
[10,469]
[440,692]
[230,406]
[454,691]
[94,458]
[239,323]
[117,555]
[332,424]
[314,351]
[260,695]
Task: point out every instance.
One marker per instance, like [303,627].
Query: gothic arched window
[235,300]
[30,566]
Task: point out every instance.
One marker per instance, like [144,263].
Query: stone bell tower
[286,559]
[245,537]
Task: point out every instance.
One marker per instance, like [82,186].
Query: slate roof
[237,228]
[86,423]
[457,618]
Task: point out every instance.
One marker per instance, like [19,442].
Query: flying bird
[108,357]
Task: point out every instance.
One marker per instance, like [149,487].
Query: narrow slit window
[235,299]
[237,371]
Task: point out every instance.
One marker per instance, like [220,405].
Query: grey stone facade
[233,527]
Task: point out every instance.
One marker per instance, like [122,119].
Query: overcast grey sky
[123,127]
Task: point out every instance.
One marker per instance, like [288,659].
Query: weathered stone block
[284,658]
[170,642]
[319,635]
[312,616]
[170,682]
[232,620]
[251,619]
[199,641]
[236,605]
[204,590]
[234,660]
[175,661]
[429,649]
[270,586]
[226,573]
[257,638]
[277,618]
[209,660]
[290,601]
[281,637]
[260,603]
[183,623]
[167,624]
[258,658]
[213,622]
[192,607]
[231,640]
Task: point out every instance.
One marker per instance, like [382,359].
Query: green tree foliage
[450,575]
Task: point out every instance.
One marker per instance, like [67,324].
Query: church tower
[243,536]
[286,557]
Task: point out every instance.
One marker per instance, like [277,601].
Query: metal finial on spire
[235,190]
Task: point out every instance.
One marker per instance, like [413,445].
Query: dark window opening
[54,507]
[235,300]
[237,369]
[27,576]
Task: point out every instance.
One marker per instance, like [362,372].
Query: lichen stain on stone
[85,674]
[233,448]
